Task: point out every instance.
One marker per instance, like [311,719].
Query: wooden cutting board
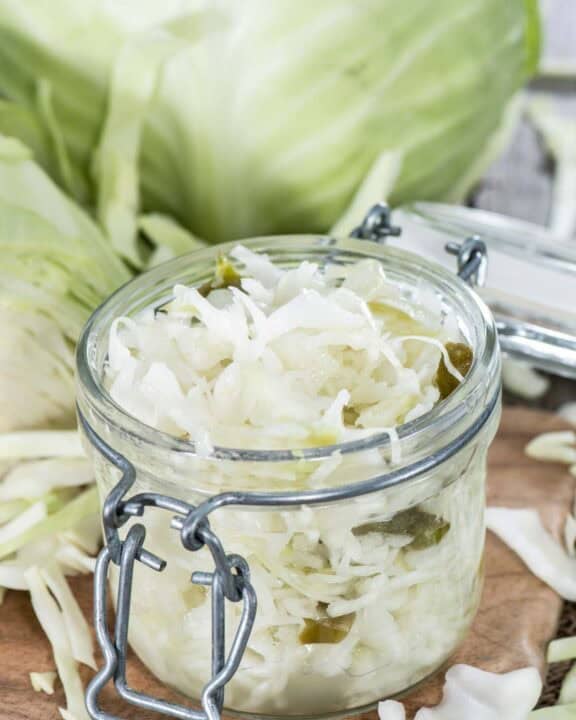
[518,616]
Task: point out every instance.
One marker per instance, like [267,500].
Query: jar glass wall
[358,599]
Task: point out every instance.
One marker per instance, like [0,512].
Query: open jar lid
[528,277]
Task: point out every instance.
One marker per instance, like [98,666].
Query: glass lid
[528,277]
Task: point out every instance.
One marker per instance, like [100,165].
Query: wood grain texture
[519,614]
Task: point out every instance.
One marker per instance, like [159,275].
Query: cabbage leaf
[56,267]
[256,117]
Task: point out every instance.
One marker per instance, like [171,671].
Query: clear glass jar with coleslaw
[303,363]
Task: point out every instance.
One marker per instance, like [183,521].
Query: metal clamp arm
[230,580]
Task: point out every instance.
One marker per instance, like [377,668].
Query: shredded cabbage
[56,267]
[49,528]
[523,532]
[558,712]
[54,623]
[555,447]
[562,649]
[568,412]
[40,444]
[43,681]
[474,694]
[522,380]
[568,689]
[291,359]
[559,134]
[358,600]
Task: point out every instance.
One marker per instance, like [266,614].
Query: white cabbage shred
[279,361]
[474,694]
[49,528]
[357,600]
[560,651]
[559,134]
[523,532]
[568,412]
[523,380]
[43,681]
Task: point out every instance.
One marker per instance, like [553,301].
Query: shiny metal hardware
[472,257]
[550,350]
[377,225]
[472,253]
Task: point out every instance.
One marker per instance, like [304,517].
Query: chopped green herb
[461,356]
[325,629]
[424,528]
[350,415]
[225,276]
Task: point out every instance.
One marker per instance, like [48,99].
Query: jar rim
[136,294]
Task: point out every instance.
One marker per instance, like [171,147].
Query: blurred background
[521,182]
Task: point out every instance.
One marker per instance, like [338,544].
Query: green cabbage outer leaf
[56,268]
[260,117]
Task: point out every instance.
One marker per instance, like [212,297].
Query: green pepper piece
[225,276]
[424,528]
[325,629]
[350,415]
[461,356]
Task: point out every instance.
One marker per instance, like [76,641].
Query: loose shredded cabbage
[568,412]
[523,532]
[559,134]
[522,380]
[49,528]
[562,649]
[558,712]
[43,681]
[40,444]
[474,694]
[54,623]
[568,689]
[555,447]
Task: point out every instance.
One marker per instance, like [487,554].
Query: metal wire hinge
[377,225]
[472,257]
[472,254]
[230,581]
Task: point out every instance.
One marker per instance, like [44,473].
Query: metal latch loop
[230,580]
[472,257]
[377,225]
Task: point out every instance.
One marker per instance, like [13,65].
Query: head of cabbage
[231,118]
[257,117]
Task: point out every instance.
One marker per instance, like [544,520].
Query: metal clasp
[377,225]
[230,581]
[472,253]
[472,257]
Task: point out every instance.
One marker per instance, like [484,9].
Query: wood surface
[519,614]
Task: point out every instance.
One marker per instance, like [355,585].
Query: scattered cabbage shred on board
[49,528]
[473,694]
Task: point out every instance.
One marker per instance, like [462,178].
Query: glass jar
[367,585]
